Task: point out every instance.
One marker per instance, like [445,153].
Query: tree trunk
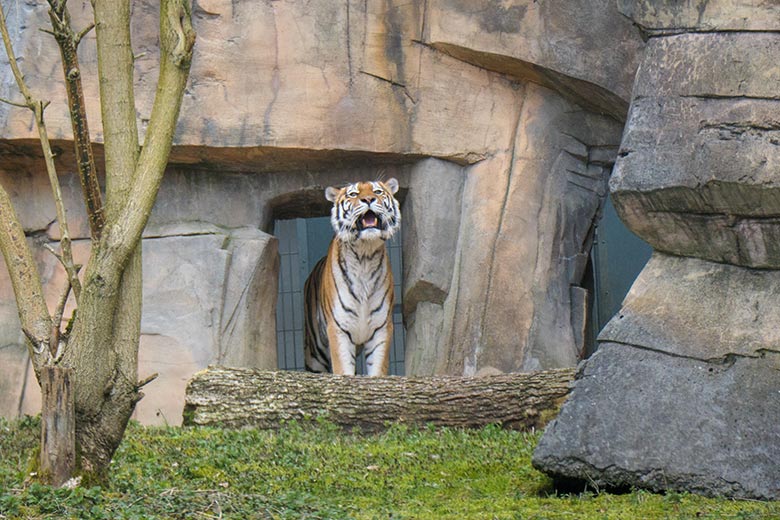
[58,425]
[235,397]
[102,346]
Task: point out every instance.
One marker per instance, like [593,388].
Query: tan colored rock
[286,98]
[173,361]
[557,44]
[351,78]
[525,227]
[248,301]
[425,346]
[431,219]
[702,15]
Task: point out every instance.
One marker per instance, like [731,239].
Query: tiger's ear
[332,193]
[392,185]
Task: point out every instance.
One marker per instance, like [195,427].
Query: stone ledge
[734,64]
[663,17]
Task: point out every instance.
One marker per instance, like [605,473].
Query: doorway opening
[617,257]
[302,242]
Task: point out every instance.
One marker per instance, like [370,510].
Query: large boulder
[640,418]
[697,172]
[682,393]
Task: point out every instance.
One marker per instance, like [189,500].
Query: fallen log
[237,397]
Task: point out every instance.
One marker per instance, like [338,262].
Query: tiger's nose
[368,200]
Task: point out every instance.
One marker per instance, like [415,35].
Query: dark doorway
[617,258]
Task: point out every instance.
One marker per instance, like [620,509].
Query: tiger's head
[364,210]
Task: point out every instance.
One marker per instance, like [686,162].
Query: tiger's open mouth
[369,220]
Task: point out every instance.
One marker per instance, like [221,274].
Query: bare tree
[100,346]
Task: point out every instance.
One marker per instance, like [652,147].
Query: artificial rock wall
[682,393]
[500,119]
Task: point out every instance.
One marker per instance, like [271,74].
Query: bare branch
[145,381]
[68,41]
[57,319]
[67,254]
[56,322]
[25,279]
[54,252]
[83,33]
[66,260]
[14,103]
[38,107]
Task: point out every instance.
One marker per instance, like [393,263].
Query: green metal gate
[617,258]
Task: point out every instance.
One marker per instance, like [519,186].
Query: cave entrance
[302,242]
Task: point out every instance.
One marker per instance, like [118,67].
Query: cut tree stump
[58,425]
[236,397]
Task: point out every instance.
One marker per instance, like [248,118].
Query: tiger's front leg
[378,350]
[342,351]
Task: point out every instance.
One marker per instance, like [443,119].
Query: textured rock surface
[642,418]
[664,16]
[697,172]
[424,345]
[682,393]
[301,77]
[537,40]
[431,231]
[698,309]
[286,98]
[550,178]
[246,337]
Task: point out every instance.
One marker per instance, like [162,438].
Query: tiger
[348,297]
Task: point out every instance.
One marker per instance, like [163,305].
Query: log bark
[232,397]
[58,425]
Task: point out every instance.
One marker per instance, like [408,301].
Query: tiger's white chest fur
[363,303]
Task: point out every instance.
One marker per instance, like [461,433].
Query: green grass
[320,472]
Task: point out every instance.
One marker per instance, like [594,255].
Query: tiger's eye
[352,194]
[378,192]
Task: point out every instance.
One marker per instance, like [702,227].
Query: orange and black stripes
[348,297]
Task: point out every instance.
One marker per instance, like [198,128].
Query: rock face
[699,152]
[501,125]
[681,394]
[687,428]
